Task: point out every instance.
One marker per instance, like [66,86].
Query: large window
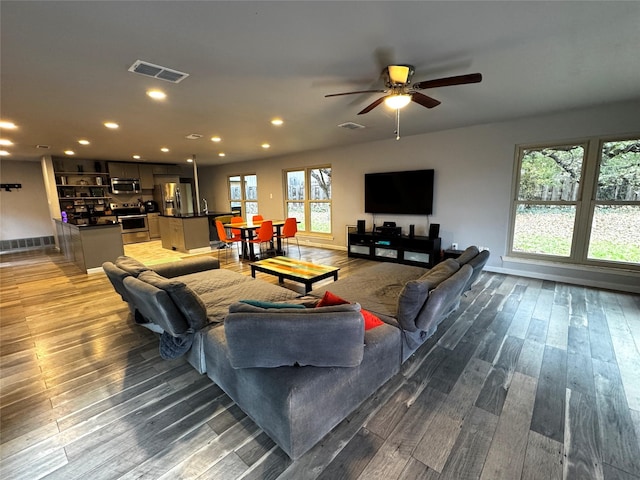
[579,203]
[243,194]
[308,198]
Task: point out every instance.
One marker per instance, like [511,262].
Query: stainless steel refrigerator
[174,198]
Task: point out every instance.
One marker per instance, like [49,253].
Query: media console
[419,251]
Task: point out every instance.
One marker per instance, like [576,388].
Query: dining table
[247,233]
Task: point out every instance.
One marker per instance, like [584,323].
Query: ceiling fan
[397,80]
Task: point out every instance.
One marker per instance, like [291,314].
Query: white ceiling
[64,70]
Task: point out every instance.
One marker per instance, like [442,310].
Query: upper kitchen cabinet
[123,170]
[146,176]
[166,170]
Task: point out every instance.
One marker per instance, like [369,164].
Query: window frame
[243,201]
[307,202]
[585,203]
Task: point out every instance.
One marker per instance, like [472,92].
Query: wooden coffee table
[296,270]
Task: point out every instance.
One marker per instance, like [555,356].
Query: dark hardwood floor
[529,379]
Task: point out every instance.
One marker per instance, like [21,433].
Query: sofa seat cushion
[273,337]
[377,287]
[415,293]
[189,304]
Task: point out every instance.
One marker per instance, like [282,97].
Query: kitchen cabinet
[166,170]
[154,225]
[185,234]
[146,176]
[123,170]
[89,246]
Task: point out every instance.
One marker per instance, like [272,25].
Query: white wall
[24,213]
[473,174]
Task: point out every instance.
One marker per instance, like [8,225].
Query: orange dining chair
[289,230]
[257,218]
[222,235]
[265,234]
[236,231]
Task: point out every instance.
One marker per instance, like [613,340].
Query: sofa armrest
[274,337]
[186,266]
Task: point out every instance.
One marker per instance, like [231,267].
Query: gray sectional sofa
[296,368]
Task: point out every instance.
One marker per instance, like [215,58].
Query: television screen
[409,192]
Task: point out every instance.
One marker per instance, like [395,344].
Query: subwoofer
[434,231]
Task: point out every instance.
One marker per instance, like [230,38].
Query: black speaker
[361,226]
[434,230]
[412,231]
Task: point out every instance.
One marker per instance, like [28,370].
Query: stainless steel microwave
[125,185]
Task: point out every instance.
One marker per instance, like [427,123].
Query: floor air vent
[351,126]
[157,71]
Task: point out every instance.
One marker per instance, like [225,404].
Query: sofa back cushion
[187,302]
[477,263]
[156,306]
[443,300]
[272,337]
[415,292]
[130,265]
[467,255]
[116,276]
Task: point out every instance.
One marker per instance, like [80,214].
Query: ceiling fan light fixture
[398,74]
[397,101]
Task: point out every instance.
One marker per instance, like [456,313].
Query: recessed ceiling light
[277,122]
[136,157]
[216,139]
[265,146]
[7,125]
[83,142]
[156,94]
[111,125]
[3,153]
[222,154]
[69,152]
[164,149]
[6,142]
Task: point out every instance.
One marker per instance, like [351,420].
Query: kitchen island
[185,233]
[89,246]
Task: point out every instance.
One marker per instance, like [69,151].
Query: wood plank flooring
[528,379]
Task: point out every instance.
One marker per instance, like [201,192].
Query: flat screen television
[408,192]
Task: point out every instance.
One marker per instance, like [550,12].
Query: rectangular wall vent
[351,126]
[157,71]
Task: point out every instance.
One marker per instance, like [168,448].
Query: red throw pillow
[370,320]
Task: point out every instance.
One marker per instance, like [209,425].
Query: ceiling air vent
[44,147]
[351,126]
[157,71]
[193,136]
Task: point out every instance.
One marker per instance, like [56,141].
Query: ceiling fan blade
[354,93]
[371,106]
[424,100]
[448,81]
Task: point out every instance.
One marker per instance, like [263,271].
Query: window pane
[296,209]
[619,176]
[295,185]
[615,234]
[235,192]
[320,217]
[251,187]
[320,184]
[251,208]
[544,230]
[551,174]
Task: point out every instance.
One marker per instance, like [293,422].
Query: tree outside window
[308,198]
